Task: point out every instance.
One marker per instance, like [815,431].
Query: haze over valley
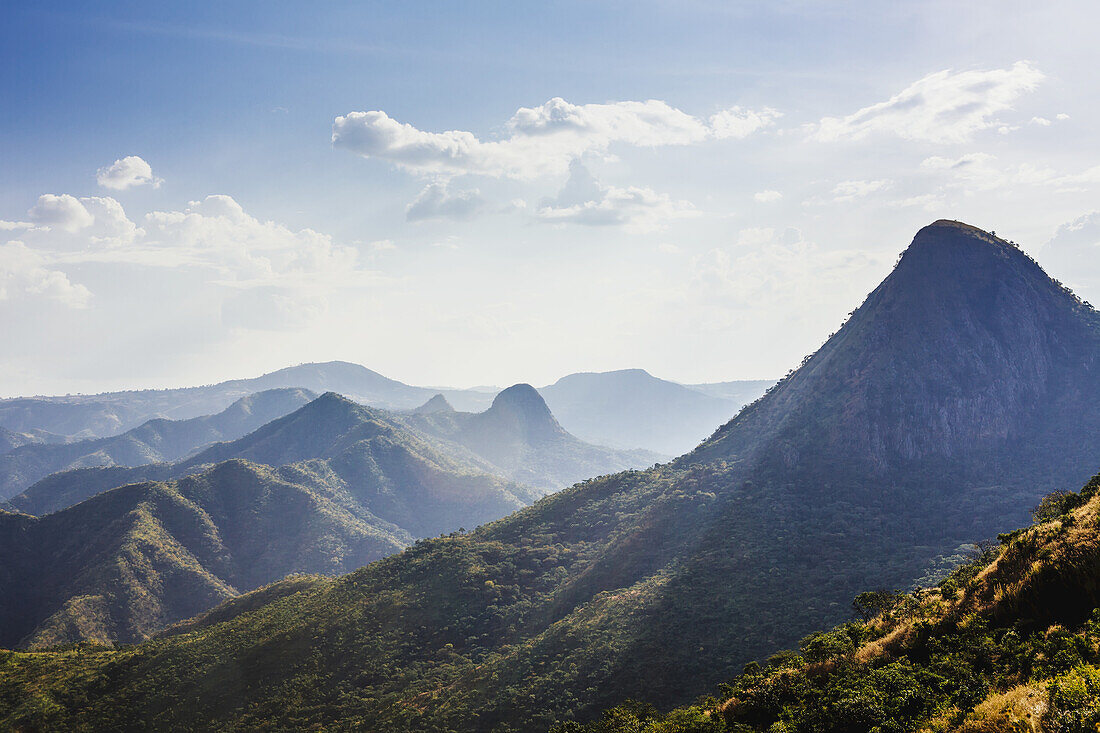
[559,368]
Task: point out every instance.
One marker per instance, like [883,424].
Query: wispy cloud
[941,107]
[436,201]
[583,200]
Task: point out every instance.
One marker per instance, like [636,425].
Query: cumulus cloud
[64,212]
[539,140]
[216,234]
[127,172]
[584,201]
[437,202]
[738,123]
[767,197]
[941,107]
[24,272]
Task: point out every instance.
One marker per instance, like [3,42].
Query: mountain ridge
[657,584]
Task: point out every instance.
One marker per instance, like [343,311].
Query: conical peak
[947,242]
[437,404]
[957,351]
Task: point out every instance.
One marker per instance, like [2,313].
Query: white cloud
[584,201]
[437,202]
[739,123]
[64,212]
[1073,255]
[239,251]
[1041,121]
[980,171]
[930,202]
[775,268]
[941,107]
[127,173]
[24,272]
[852,190]
[540,140]
[1062,116]
[269,308]
[767,197]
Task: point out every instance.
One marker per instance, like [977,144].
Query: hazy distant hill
[625,409]
[330,428]
[961,391]
[10,439]
[520,436]
[632,409]
[351,485]
[156,441]
[110,413]
[742,391]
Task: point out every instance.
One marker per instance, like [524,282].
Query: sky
[488,193]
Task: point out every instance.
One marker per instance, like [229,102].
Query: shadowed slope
[854,473]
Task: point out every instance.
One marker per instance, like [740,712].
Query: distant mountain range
[520,436]
[625,409]
[954,398]
[632,408]
[156,441]
[328,488]
[343,485]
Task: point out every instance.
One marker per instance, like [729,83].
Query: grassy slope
[124,564]
[1007,644]
[128,561]
[661,583]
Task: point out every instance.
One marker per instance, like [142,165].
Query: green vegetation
[125,563]
[959,394]
[1008,643]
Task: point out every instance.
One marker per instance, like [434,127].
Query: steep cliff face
[967,348]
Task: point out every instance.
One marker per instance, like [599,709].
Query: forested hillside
[350,487]
[1009,642]
[960,393]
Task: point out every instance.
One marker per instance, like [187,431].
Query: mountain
[110,413]
[519,435]
[127,562]
[741,391]
[1008,642]
[381,457]
[350,485]
[156,441]
[632,409]
[627,409]
[961,391]
[433,406]
[10,440]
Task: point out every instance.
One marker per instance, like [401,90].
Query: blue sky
[471,193]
